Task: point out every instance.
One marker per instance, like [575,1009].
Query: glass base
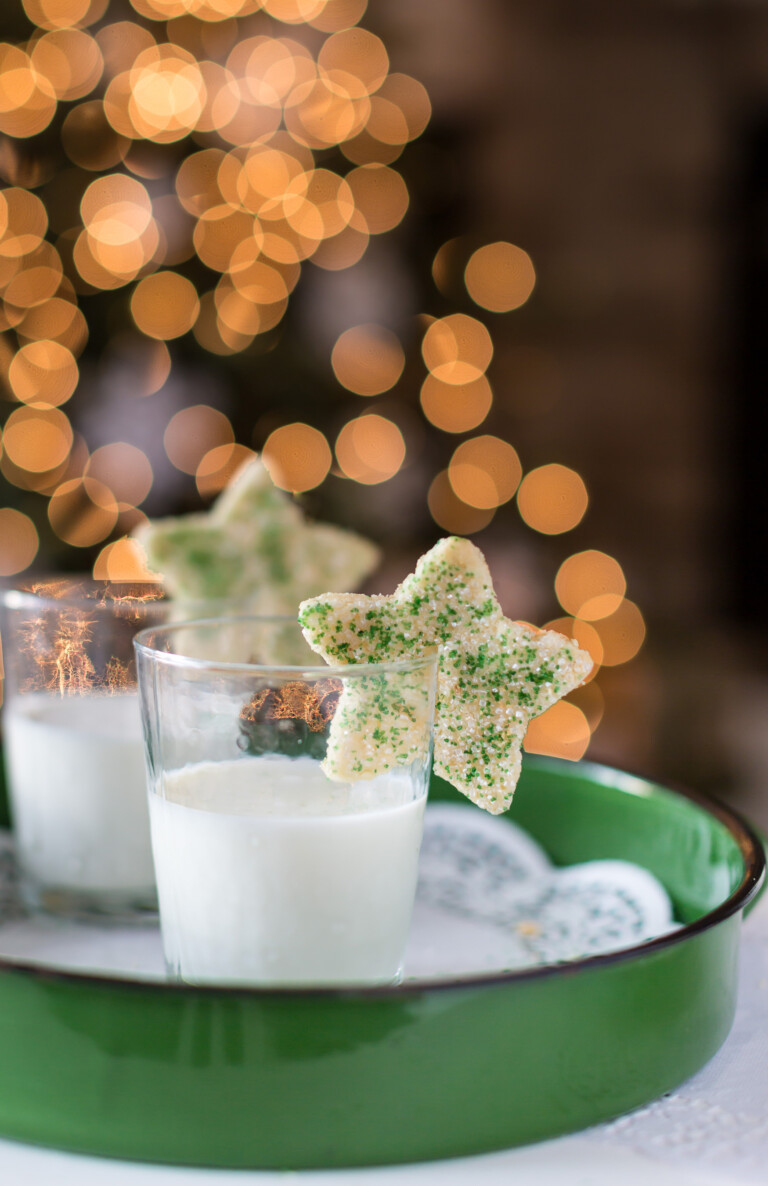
[110,907]
[175,973]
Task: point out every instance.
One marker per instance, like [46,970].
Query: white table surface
[713,1131]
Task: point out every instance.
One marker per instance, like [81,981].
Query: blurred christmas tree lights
[214,148]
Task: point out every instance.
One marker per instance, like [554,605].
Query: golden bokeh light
[370,449]
[590,699]
[336,15]
[165,305]
[232,341]
[410,97]
[108,199]
[219,466]
[213,334]
[457,349]
[122,560]
[45,481]
[235,313]
[293,12]
[445,265]
[342,250]
[39,481]
[19,541]
[562,732]
[165,9]
[585,635]
[590,585]
[263,180]
[70,60]
[323,209]
[485,472]
[256,281]
[270,68]
[219,231]
[251,123]
[279,242]
[155,369]
[365,148]
[167,93]
[117,98]
[386,123]
[197,181]
[23,222]
[90,141]
[10,318]
[238,315]
[222,97]
[82,512]
[357,53]
[500,277]
[368,359]
[192,433]
[622,633]
[92,275]
[552,499]
[120,235]
[329,16]
[297,456]
[450,513]
[37,439]
[120,43]
[380,195]
[8,269]
[323,112]
[125,469]
[27,98]
[456,407]
[64,14]
[37,279]
[43,372]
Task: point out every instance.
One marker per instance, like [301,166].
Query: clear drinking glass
[73,746]
[269,872]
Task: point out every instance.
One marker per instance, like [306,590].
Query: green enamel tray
[300,1079]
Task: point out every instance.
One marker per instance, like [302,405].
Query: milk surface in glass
[75,767]
[268,873]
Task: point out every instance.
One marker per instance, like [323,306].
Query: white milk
[268,873]
[75,768]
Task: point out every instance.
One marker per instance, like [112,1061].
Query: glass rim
[321,670]
[14,598]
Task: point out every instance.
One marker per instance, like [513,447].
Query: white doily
[489,899]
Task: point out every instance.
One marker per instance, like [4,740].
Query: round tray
[297,1079]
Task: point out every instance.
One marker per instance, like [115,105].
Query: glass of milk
[73,746]
[268,872]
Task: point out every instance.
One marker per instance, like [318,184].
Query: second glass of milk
[268,871]
[73,746]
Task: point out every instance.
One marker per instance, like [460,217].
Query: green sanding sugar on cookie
[255,546]
[381,722]
[494,675]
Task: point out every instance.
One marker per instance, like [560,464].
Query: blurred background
[498,269]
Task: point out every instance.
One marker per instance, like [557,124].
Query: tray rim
[752,884]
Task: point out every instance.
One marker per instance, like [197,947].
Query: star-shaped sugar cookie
[494,675]
[254,545]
